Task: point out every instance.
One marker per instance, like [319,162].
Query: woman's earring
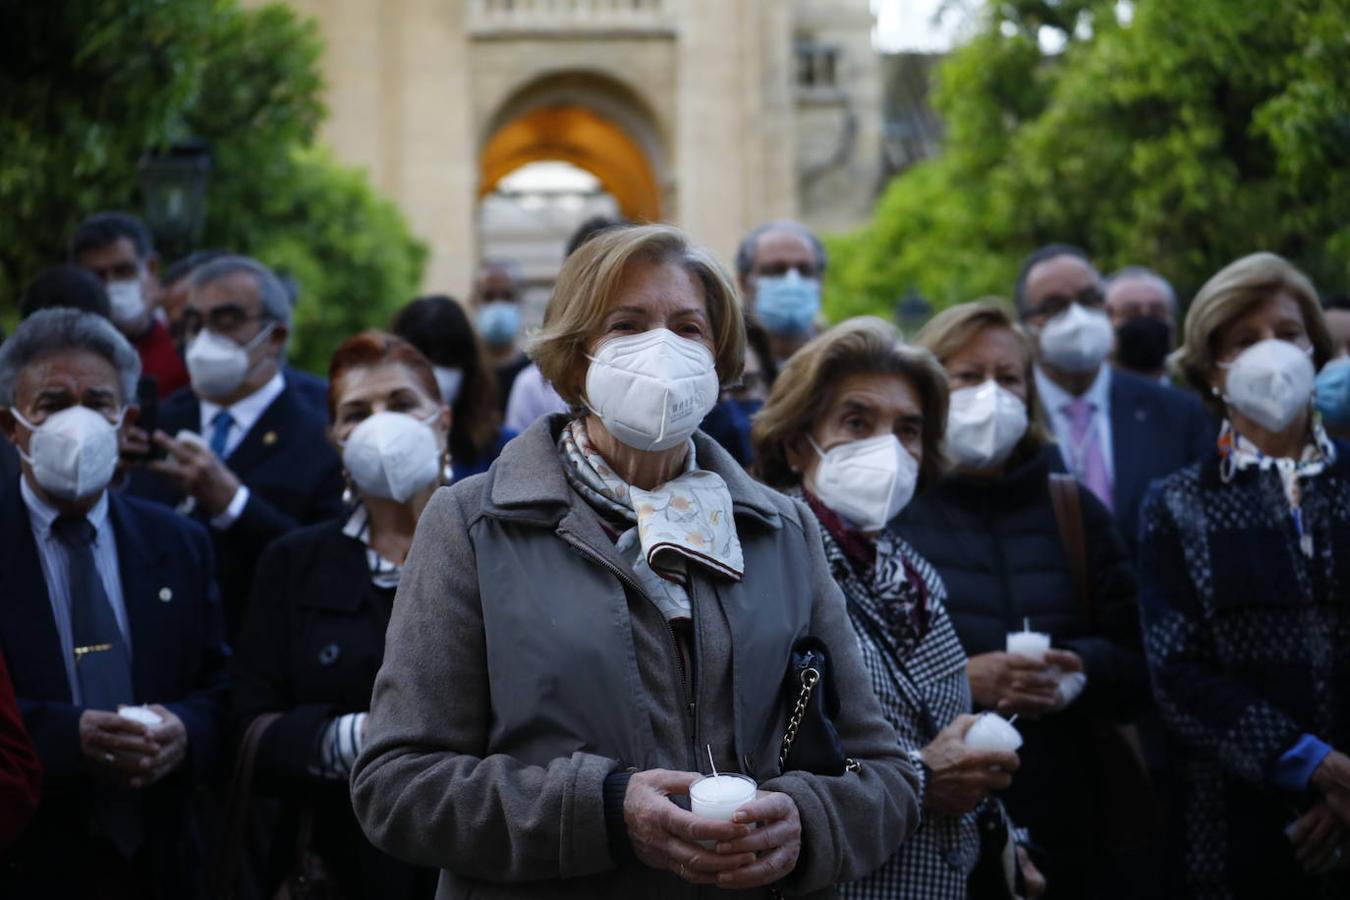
[348,489]
[447,471]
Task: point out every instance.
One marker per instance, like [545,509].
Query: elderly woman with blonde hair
[991,527]
[853,427]
[1245,571]
[586,630]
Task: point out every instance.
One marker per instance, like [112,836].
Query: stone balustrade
[488,17]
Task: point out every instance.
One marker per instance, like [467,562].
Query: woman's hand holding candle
[663,836]
[1015,684]
[963,776]
[777,839]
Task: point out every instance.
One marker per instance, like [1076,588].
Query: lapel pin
[165,594]
[269,438]
[329,655]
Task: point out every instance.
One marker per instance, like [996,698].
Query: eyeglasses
[224,319]
[1052,305]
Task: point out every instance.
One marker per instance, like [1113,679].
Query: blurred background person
[779,267]
[439,328]
[496,304]
[990,528]
[532,397]
[175,282]
[244,452]
[1245,562]
[313,637]
[545,570]
[110,601]
[1116,431]
[20,769]
[729,421]
[853,427]
[66,285]
[117,248]
[1143,310]
[1333,382]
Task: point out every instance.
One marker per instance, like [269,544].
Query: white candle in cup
[993,732]
[141,714]
[1028,643]
[719,796]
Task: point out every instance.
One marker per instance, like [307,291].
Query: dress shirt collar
[1053,397]
[247,411]
[43,514]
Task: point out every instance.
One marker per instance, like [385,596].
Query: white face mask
[392,455]
[867,482]
[1077,340]
[217,365]
[1270,383]
[449,381]
[128,303]
[73,453]
[651,389]
[984,423]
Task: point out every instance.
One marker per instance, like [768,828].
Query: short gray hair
[745,253]
[49,332]
[1135,273]
[276,302]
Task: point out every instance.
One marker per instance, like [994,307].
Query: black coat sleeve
[1112,651]
[261,671]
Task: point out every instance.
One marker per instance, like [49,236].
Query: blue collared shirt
[56,572]
[1053,397]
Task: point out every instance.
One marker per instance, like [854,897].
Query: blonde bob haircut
[1231,293]
[952,330]
[804,390]
[588,288]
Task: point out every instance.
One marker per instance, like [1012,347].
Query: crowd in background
[473,614]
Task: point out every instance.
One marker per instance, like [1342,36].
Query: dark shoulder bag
[240,869]
[1131,809]
[811,742]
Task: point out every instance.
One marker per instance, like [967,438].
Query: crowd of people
[684,592]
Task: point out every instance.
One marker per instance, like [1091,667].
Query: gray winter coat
[524,664]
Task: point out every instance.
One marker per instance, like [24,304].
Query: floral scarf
[1237,453]
[877,578]
[687,519]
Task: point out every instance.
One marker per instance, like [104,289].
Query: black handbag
[811,742]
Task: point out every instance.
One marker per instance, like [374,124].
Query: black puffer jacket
[997,546]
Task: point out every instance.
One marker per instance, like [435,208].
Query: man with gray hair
[1143,311]
[111,627]
[242,449]
[779,266]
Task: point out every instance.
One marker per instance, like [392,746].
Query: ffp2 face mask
[651,390]
[1270,383]
[73,453]
[1077,340]
[217,365]
[392,455]
[984,424]
[867,482]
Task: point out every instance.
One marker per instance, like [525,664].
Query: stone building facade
[711,114]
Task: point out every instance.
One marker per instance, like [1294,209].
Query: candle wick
[710,761]
[1026,624]
[1013,719]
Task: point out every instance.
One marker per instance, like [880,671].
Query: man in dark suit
[1117,431]
[245,453]
[109,604]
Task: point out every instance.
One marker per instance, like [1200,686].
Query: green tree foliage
[1190,135]
[87,87]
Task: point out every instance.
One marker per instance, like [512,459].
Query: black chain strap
[810,678]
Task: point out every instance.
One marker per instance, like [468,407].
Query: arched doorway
[586,140]
[559,150]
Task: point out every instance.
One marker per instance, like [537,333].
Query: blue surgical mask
[787,304]
[499,322]
[1332,393]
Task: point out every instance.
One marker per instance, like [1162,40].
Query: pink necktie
[1086,451]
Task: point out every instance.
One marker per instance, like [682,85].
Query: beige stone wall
[707,87]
